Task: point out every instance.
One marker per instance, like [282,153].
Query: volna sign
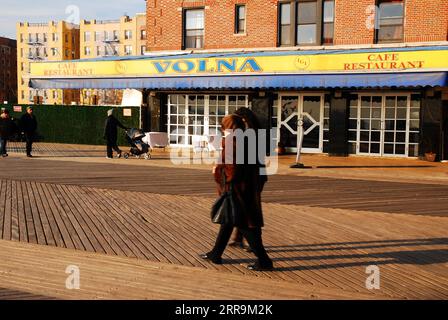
[207,66]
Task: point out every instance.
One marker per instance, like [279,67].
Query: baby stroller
[138,147]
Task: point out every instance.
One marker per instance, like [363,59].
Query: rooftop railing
[107,21]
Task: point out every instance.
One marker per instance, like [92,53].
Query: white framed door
[199,115]
[310,108]
[384,125]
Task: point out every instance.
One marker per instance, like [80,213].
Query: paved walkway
[322,233]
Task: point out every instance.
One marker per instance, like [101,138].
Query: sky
[13,11]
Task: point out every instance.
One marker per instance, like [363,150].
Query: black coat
[7,128]
[28,123]
[110,129]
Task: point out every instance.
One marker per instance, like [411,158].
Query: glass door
[308,107]
[369,125]
[384,125]
[193,116]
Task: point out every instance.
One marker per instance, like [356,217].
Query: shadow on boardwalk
[413,257]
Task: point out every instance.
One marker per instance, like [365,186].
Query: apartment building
[108,38]
[8,70]
[52,41]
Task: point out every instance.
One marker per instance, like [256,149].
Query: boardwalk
[322,233]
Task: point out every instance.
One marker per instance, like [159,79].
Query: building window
[97,36]
[45,37]
[22,94]
[143,50]
[306,23]
[390,21]
[67,53]
[128,35]
[313,22]
[128,50]
[328,23]
[142,34]
[285,24]
[54,52]
[86,36]
[21,38]
[240,19]
[98,51]
[194,28]
[115,35]
[66,38]
[55,37]
[37,37]
[87,51]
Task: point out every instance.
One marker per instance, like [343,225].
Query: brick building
[8,70]
[365,77]
[352,21]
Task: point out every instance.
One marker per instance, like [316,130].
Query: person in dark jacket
[247,185]
[7,129]
[28,123]
[111,134]
[250,122]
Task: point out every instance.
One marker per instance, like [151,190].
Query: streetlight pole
[300,136]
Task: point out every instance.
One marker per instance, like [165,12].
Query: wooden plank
[49,237]
[35,215]
[14,213]
[23,232]
[7,214]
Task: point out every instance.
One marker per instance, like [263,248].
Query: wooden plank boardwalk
[322,248]
[353,194]
[112,277]
[136,229]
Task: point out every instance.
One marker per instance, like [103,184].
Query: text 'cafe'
[377,102]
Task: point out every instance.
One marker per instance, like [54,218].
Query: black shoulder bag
[226,210]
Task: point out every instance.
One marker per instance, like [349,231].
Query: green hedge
[76,124]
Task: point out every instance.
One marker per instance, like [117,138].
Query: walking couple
[245,182]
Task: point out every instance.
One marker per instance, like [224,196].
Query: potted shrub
[430,155]
[281,148]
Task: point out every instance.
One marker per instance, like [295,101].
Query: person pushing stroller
[111,134]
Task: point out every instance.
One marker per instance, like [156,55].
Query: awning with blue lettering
[251,81]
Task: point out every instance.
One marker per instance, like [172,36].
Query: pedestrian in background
[28,124]
[244,181]
[111,134]
[7,130]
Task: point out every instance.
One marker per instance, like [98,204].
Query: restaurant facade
[375,99]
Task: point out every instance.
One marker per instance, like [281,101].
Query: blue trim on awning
[296,81]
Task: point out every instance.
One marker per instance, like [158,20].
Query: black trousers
[111,145]
[29,139]
[3,146]
[253,237]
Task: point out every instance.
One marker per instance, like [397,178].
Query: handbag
[226,209]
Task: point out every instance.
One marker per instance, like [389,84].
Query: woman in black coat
[247,185]
[111,134]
